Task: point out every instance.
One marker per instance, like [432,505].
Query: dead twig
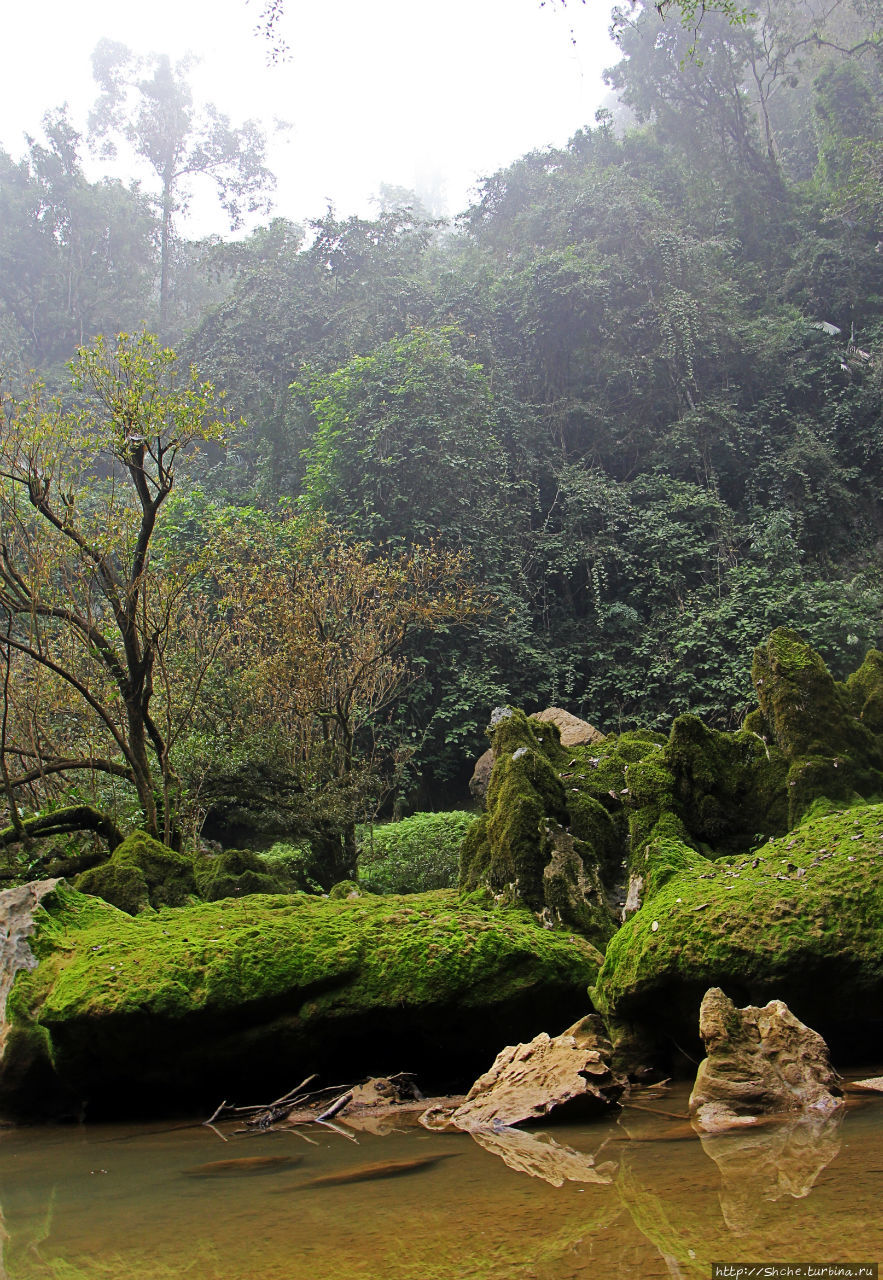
[337,1105]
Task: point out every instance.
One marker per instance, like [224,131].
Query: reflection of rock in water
[766,1164]
[541,1157]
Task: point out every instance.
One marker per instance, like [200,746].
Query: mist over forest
[636,386]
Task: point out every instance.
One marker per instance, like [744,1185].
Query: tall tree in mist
[147,103]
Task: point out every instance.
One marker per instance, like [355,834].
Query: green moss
[547,839]
[828,732]
[509,848]
[168,876]
[234,873]
[800,919]
[728,788]
[123,886]
[113,995]
[344,889]
[864,692]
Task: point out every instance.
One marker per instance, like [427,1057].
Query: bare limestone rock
[762,1063]
[574,732]
[481,775]
[528,1081]
[17,907]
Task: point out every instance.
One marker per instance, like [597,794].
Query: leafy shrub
[415,855]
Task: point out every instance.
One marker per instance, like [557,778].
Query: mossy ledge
[180,1008]
[799,919]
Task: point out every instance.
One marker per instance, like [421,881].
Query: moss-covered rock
[828,732]
[185,1007]
[141,873]
[800,919]
[233,874]
[617,802]
[864,692]
[530,847]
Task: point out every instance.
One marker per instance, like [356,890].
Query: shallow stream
[640,1196]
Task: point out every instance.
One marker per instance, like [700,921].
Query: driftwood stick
[208,1124]
[337,1105]
[291,1092]
[214,1117]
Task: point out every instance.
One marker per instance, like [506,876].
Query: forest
[286,516]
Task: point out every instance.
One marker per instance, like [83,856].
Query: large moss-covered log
[235,998]
[800,919]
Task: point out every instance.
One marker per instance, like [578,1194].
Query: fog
[428,97]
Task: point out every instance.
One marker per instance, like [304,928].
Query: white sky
[395,91]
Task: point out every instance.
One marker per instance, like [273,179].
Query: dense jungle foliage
[637,386]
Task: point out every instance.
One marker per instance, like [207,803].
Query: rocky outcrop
[570,1075]
[761,1062]
[17,924]
[141,873]
[829,733]
[799,919]
[481,776]
[542,842]
[180,1008]
[573,731]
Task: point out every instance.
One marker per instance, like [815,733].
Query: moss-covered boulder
[828,732]
[800,919]
[141,873]
[240,999]
[232,874]
[573,832]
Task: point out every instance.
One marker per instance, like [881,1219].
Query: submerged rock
[179,1008]
[761,1062]
[571,1072]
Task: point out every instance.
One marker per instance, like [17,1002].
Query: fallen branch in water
[265,1115]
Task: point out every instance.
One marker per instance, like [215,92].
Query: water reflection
[612,1201]
[761,1166]
[540,1156]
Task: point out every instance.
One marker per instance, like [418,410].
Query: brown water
[638,1197]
